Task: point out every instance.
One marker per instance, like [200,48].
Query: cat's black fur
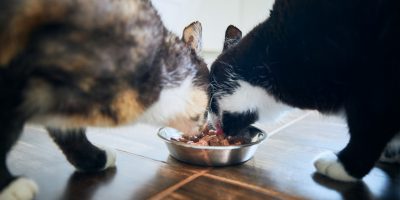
[331,56]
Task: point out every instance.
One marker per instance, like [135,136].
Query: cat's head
[188,102]
[240,85]
[224,112]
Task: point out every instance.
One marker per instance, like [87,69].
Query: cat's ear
[192,36]
[232,37]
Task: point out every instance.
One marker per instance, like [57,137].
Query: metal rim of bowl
[263,137]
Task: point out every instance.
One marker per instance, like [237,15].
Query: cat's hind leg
[370,131]
[328,164]
[80,152]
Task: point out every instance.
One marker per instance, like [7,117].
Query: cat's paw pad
[19,189]
[328,164]
[111,157]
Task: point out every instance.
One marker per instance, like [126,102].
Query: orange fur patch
[28,16]
[125,107]
[94,118]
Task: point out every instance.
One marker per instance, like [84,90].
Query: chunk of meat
[209,137]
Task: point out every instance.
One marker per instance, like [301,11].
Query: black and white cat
[70,64]
[333,56]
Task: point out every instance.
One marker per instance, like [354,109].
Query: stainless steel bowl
[211,155]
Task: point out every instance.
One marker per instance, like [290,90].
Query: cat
[337,57]
[69,64]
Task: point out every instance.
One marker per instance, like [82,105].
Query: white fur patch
[391,154]
[111,157]
[253,98]
[328,164]
[20,189]
[170,103]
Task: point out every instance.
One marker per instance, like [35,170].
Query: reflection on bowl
[211,155]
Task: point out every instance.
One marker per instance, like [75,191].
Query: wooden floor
[281,169]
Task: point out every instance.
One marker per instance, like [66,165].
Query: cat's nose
[218,126]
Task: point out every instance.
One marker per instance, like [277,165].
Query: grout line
[289,124]
[35,127]
[172,188]
[25,144]
[266,191]
[134,154]
[153,159]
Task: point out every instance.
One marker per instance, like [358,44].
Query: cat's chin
[186,126]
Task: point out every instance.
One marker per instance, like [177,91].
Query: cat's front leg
[370,131]
[80,152]
[11,187]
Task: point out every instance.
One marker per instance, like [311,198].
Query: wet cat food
[209,137]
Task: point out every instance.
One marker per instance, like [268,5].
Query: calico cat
[337,57]
[69,64]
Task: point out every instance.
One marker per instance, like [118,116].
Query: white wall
[215,16]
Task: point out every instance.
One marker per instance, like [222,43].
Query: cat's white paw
[111,157]
[328,164]
[19,189]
